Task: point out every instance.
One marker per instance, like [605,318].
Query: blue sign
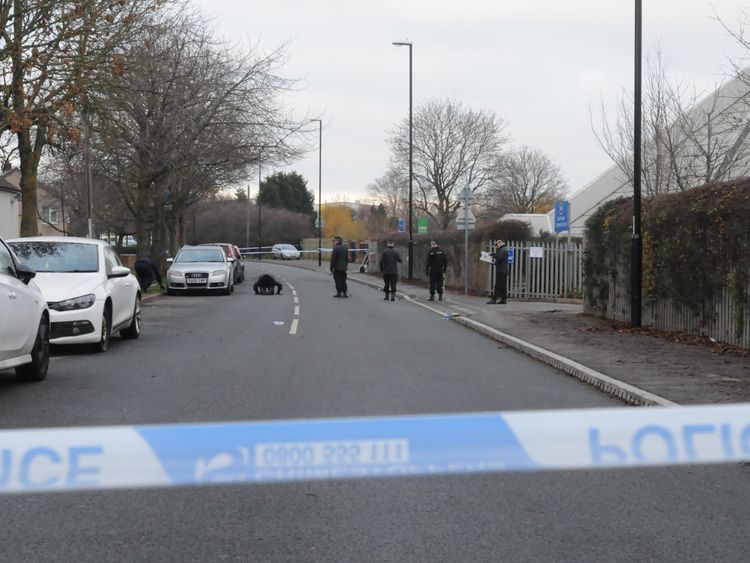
[511,255]
[562,216]
[401,225]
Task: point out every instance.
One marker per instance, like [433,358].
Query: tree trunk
[29,167]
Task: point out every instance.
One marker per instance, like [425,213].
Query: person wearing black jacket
[437,264]
[389,261]
[500,256]
[339,260]
[147,271]
[265,285]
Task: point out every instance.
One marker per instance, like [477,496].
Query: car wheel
[133,330]
[105,333]
[37,369]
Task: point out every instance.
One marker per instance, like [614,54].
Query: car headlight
[176,274]
[82,302]
[218,272]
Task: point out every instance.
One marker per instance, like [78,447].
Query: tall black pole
[411,163]
[320,192]
[637,248]
[260,154]
[411,174]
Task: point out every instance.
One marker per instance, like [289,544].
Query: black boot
[440,297]
[393,296]
[338,295]
[432,298]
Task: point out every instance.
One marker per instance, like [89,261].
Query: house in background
[49,215]
[10,204]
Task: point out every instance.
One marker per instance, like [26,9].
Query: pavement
[641,366]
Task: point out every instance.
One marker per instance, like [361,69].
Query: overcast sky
[540,65]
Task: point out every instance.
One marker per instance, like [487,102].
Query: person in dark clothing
[265,285]
[437,264]
[147,271]
[500,256]
[389,261]
[339,260]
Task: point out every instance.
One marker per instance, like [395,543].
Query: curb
[613,387]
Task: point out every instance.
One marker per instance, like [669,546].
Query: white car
[89,292]
[285,252]
[200,267]
[24,320]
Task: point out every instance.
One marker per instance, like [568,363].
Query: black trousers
[501,287]
[340,279]
[436,283]
[390,282]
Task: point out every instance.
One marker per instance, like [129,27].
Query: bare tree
[191,117]
[526,181]
[454,148]
[392,191]
[686,141]
[53,52]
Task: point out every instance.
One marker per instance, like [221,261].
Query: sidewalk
[675,371]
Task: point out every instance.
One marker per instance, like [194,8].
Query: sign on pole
[401,225]
[422,225]
[562,216]
[511,255]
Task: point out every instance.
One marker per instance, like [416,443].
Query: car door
[120,289]
[18,324]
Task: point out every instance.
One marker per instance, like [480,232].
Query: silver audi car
[200,268]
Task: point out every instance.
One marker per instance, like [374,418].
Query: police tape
[293,450]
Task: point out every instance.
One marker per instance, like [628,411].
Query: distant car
[24,320]
[200,267]
[231,251]
[89,292]
[240,265]
[285,252]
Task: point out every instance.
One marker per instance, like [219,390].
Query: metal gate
[543,270]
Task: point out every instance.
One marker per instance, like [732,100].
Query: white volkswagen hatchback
[24,320]
[89,292]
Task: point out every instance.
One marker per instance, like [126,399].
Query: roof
[6,186]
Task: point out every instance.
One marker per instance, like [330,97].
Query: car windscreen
[58,257]
[288,247]
[200,255]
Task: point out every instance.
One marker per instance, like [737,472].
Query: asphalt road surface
[222,358]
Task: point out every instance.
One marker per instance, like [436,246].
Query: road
[216,358]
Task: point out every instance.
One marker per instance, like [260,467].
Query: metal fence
[724,318]
[549,270]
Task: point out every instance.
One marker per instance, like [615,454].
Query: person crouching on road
[339,260]
[437,264]
[265,285]
[501,274]
[147,271]
[389,261]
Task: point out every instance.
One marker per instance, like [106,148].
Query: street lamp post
[247,222]
[320,192]
[411,160]
[260,154]
[636,281]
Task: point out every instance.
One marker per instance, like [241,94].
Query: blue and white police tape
[275,451]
